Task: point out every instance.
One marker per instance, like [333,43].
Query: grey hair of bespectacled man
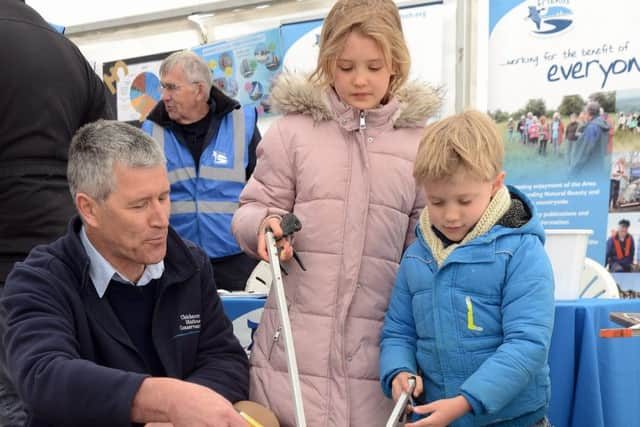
[195,68]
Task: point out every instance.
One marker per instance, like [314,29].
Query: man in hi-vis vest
[210,144]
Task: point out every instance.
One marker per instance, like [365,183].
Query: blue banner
[547,60]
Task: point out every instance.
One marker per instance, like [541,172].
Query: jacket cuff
[388,379]
[477,407]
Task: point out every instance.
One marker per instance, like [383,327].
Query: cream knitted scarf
[498,206]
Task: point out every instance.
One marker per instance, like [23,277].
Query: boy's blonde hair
[467,141]
[378,19]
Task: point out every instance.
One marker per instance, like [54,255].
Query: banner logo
[550,17]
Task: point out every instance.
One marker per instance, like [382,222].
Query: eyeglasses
[172,87]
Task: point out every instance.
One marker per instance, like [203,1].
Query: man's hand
[182,404]
[284,245]
[400,384]
[195,405]
[442,412]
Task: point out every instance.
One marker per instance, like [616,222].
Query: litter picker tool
[401,404]
[289,225]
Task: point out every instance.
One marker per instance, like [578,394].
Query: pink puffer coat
[349,180]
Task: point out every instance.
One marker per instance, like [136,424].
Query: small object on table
[619,333]
[625,319]
[255,414]
[630,321]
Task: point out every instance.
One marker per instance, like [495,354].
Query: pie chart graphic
[144,93]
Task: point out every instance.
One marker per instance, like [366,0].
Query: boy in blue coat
[471,314]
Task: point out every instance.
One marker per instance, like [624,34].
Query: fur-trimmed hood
[293,93]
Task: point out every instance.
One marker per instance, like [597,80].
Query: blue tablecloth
[595,382]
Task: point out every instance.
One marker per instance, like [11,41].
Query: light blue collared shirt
[102,272]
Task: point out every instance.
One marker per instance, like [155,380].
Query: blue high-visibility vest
[203,201]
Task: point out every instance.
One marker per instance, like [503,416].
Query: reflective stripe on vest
[181,174]
[235,174]
[203,207]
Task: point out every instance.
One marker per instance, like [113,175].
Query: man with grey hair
[589,155]
[210,144]
[118,322]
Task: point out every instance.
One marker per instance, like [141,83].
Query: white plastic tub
[567,250]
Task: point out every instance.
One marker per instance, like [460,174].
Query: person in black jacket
[48,92]
[118,321]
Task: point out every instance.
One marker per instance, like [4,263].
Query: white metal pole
[281,300]
[463,55]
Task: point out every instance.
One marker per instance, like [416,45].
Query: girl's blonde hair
[378,19]
[468,141]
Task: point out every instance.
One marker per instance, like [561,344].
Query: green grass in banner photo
[522,161]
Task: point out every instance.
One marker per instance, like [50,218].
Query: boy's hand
[400,384]
[442,412]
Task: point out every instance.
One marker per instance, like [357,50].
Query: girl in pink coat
[341,160]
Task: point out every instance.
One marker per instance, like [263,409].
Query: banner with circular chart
[134,85]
